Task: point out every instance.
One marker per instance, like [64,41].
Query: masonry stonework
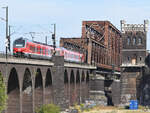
[31,85]
[133,61]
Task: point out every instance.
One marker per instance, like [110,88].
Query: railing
[132,65]
[3,54]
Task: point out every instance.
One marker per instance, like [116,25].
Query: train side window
[49,51]
[43,50]
[27,45]
[31,48]
[36,49]
[58,52]
[40,50]
[46,51]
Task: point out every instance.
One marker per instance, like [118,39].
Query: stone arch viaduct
[31,84]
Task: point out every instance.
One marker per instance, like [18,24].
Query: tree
[49,108]
[3,95]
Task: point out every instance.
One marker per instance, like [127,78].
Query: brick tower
[133,59]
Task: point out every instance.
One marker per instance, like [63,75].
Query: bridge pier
[130,84]
[20,100]
[97,92]
[58,86]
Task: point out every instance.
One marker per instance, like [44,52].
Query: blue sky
[37,16]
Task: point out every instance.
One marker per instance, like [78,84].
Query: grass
[101,109]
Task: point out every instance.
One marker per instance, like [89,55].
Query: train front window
[19,43]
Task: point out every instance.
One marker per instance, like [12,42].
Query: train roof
[32,41]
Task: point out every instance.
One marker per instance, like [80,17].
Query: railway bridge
[32,82]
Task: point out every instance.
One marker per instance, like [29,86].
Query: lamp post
[54,39]
[7,37]
[7,40]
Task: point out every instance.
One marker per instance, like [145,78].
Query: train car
[72,56]
[23,47]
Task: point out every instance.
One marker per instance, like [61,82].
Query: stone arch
[78,85]
[83,77]
[38,91]
[83,84]
[48,87]
[27,105]
[66,84]
[13,92]
[72,87]
[87,77]
[87,85]
[65,77]
[72,77]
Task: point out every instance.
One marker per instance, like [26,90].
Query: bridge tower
[134,37]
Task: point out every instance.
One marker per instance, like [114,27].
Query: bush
[49,108]
[3,95]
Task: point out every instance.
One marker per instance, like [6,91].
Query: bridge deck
[14,60]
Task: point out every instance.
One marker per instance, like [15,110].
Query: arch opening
[66,85]
[13,92]
[87,86]
[65,77]
[27,92]
[83,86]
[38,89]
[83,77]
[48,78]
[87,77]
[72,79]
[48,88]
[38,79]
[72,88]
[78,85]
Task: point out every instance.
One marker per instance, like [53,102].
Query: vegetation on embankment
[3,95]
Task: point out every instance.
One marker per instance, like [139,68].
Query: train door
[43,50]
[38,49]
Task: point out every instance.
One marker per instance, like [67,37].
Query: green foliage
[77,107]
[3,95]
[49,108]
[81,105]
[142,107]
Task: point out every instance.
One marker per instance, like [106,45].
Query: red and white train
[23,47]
